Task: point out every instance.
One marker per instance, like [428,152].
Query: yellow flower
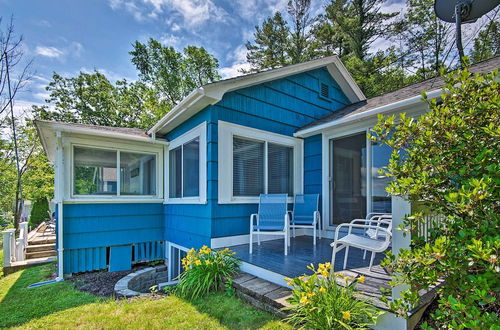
[322,290]
[304,301]
[198,262]
[207,262]
[346,315]
[312,294]
[361,279]
[324,273]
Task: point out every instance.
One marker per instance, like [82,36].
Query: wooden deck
[269,256]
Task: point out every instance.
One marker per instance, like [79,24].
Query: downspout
[59,193]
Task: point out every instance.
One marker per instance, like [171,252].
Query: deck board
[269,255]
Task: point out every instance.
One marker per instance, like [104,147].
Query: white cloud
[51,52]
[193,12]
[239,62]
[170,40]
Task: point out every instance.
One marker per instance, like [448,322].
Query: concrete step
[41,247]
[41,254]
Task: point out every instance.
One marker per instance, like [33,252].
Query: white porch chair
[271,219]
[361,241]
[306,214]
[372,219]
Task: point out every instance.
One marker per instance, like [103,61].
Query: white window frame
[200,132]
[112,145]
[225,164]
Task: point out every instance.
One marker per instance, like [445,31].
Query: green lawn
[61,306]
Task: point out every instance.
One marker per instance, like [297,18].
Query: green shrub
[39,212]
[319,302]
[206,270]
[449,161]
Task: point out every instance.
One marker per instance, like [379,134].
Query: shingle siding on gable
[279,106]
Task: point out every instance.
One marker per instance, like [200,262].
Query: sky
[68,36]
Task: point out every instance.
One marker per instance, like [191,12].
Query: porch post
[400,208]
[8,239]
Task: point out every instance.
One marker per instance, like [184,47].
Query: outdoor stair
[40,254]
[262,294]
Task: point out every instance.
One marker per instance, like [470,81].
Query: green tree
[359,22]
[270,47]
[39,212]
[487,43]
[90,98]
[425,36]
[300,49]
[172,74]
[448,161]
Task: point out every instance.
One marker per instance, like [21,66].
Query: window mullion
[266,165]
[182,171]
[118,174]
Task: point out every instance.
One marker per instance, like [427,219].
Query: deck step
[43,241]
[262,294]
[40,247]
[40,254]
[18,265]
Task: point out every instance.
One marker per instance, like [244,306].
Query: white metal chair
[306,214]
[362,241]
[271,219]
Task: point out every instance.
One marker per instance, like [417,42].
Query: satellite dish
[471,9]
[462,11]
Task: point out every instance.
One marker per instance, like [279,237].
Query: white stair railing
[15,249]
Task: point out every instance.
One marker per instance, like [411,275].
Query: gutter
[192,98]
[370,113]
[59,201]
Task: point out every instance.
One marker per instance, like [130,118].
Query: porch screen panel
[94,171]
[248,167]
[137,174]
[175,173]
[280,169]
[191,168]
[381,201]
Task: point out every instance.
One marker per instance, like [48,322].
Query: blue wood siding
[189,225]
[281,106]
[312,164]
[90,229]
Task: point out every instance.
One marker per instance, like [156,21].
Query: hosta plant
[206,270]
[319,302]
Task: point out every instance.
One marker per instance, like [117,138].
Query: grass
[61,306]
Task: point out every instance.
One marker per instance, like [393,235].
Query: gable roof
[391,101]
[213,92]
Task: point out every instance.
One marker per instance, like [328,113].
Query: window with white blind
[187,167]
[253,162]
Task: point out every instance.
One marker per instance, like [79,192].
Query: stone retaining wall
[141,281]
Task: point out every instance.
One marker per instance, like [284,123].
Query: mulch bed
[100,283]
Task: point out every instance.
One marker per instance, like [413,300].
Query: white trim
[263,273]
[213,92]
[399,105]
[58,194]
[70,142]
[200,132]
[225,164]
[169,246]
[227,241]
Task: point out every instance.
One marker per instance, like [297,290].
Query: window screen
[138,174]
[191,168]
[280,169]
[248,167]
[94,171]
[175,173]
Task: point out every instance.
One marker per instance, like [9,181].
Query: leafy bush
[319,302]
[39,212]
[448,160]
[206,270]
